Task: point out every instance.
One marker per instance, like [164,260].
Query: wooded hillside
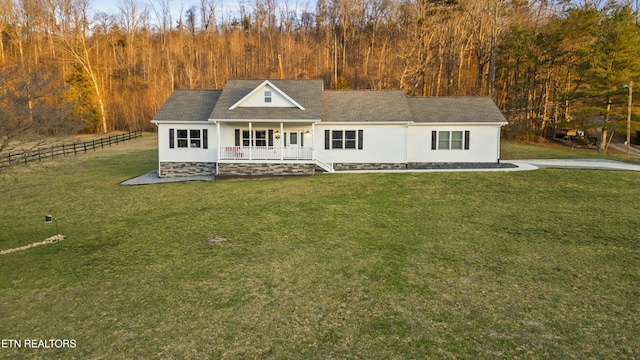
[64,68]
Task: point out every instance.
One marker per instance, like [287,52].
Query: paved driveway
[590,164]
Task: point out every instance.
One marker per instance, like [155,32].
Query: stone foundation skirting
[457,166]
[181,169]
[369,166]
[257,169]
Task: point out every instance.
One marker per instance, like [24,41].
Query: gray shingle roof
[365,105]
[462,109]
[329,106]
[307,93]
[188,105]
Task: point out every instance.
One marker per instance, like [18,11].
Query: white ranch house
[295,127]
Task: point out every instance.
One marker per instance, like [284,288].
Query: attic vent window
[267,96]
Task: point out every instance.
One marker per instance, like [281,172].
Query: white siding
[484,144]
[257,99]
[382,143]
[165,154]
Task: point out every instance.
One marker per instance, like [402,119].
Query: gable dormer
[267,95]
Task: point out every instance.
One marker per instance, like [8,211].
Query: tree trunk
[603,141]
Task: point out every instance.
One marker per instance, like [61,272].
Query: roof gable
[307,92]
[267,95]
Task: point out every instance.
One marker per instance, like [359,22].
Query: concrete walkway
[152,177]
[520,165]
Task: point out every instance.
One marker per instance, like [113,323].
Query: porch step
[322,167]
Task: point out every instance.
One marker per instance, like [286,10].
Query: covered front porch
[270,142]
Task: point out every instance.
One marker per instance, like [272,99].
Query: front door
[294,143]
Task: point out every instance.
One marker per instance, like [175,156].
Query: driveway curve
[589,164]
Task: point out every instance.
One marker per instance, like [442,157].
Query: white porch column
[218,141]
[250,142]
[281,141]
[313,141]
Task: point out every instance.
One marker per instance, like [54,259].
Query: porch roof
[308,93]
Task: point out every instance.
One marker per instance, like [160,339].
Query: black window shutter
[360,139]
[172,140]
[205,138]
[302,139]
[270,143]
[434,139]
[327,139]
[237,137]
[466,139]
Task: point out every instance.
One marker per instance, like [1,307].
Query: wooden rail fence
[65,149]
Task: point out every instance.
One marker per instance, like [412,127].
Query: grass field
[541,264]
[513,150]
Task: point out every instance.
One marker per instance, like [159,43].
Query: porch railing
[323,160]
[265,153]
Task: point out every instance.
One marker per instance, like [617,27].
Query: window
[192,138]
[450,140]
[350,139]
[443,140]
[336,139]
[343,139]
[183,138]
[456,140]
[267,96]
[259,138]
[246,139]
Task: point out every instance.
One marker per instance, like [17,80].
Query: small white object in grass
[215,241]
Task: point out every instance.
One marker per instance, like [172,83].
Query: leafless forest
[64,67]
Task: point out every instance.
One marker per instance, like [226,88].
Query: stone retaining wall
[252,169]
[180,169]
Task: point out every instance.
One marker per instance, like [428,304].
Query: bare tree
[29,106]
[75,45]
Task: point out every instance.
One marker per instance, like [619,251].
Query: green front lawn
[540,264]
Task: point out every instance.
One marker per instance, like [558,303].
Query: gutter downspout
[499,131]
[406,145]
[158,126]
